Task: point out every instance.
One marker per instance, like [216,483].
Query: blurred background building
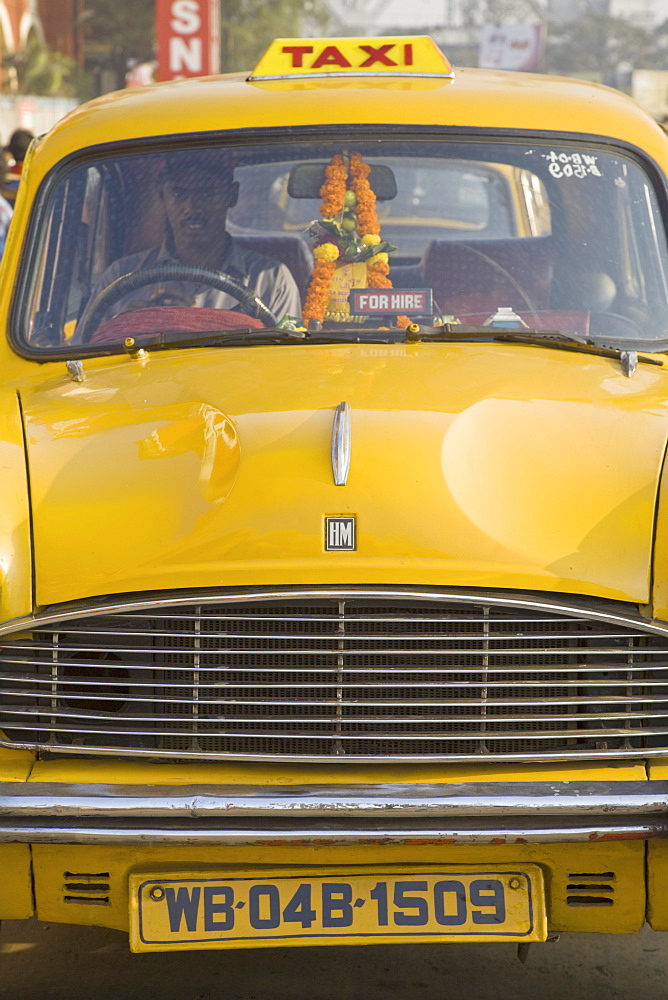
[33,93]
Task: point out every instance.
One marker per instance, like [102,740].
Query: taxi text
[388,54]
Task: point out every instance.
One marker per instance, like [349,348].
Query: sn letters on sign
[187,35]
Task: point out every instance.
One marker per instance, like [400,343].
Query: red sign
[187,32]
[368,301]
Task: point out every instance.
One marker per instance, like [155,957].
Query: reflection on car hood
[488,465]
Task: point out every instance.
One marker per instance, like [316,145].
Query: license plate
[197,910]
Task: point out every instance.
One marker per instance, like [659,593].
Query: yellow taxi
[334,528]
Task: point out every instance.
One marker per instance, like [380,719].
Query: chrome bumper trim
[531,812]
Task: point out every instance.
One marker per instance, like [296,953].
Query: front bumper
[84,841]
[467,813]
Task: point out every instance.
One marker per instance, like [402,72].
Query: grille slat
[322,734]
[333,650]
[448,636]
[342,677]
[158,613]
[457,719]
[423,670]
[357,702]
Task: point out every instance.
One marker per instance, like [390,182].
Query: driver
[197,190]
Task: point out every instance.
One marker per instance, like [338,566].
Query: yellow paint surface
[176,477]
[15,765]
[15,554]
[126,772]
[622,862]
[16,900]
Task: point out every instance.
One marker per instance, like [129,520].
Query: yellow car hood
[485,465]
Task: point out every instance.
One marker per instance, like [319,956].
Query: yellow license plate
[243,909]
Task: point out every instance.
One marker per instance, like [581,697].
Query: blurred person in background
[17,147]
[6,210]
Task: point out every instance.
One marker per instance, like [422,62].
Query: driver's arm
[278,289]
[124,265]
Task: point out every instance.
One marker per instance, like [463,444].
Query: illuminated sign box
[410,55]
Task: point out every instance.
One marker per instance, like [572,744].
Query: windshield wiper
[256,335]
[212,338]
[457,333]
[415,333]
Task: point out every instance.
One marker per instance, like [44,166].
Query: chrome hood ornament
[341,444]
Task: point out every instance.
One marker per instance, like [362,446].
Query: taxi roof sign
[402,55]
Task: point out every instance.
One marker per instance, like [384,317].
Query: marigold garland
[377,272]
[317,297]
[333,191]
[377,275]
[336,198]
[326,251]
[367,219]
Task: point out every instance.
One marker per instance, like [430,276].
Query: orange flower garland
[333,190]
[317,297]
[378,267]
[367,219]
[333,194]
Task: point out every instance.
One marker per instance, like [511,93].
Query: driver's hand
[161,296]
[171,297]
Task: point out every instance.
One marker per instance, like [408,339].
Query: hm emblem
[340,534]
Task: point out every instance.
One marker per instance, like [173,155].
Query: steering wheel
[171,271]
[615,326]
[494,264]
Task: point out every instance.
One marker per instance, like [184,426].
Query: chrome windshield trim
[534,812]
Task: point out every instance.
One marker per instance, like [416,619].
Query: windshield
[334,235]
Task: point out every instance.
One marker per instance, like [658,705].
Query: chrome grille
[350,677]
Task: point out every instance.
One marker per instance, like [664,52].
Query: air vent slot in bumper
[86,888]
[590,889]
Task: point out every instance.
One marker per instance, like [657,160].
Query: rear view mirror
[306,179]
